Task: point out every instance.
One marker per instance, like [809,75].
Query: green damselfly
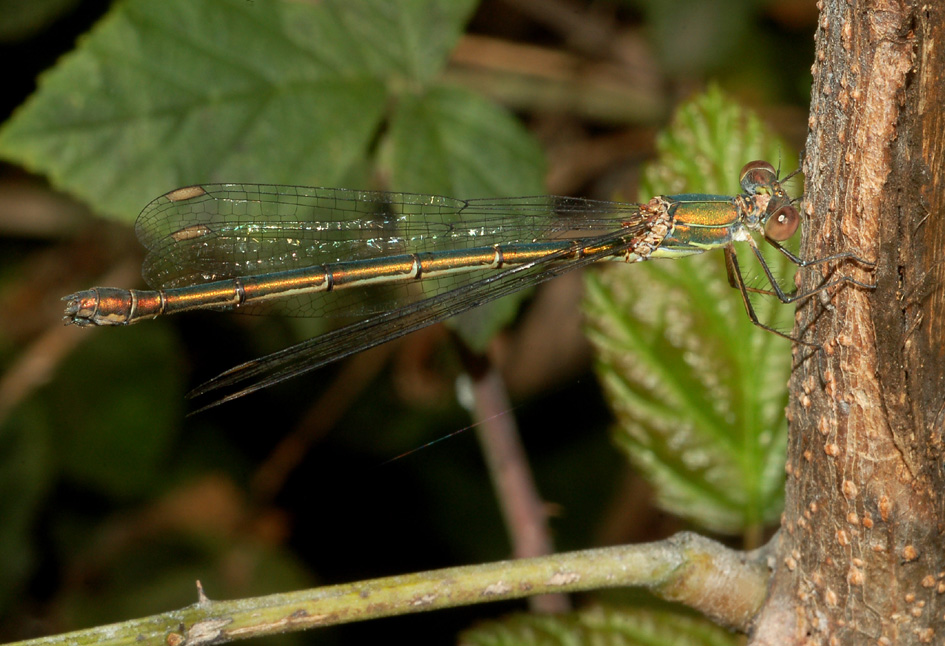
[425,257]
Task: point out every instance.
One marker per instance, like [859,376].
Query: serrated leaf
[698,390]
[164,94]
[160,95]
[611,626]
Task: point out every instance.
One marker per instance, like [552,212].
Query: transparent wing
[333,346]
[210,232]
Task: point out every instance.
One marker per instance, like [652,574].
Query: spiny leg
[795,296]
[735,279]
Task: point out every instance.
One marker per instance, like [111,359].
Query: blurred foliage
[23,18]
[694,35]
[112,503]
[600,625]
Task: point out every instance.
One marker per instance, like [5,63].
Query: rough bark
[862,546]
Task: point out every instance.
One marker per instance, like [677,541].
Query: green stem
[726,585]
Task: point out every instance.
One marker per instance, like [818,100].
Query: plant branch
[727,585]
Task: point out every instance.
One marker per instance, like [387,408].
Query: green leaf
[451,141]
[613,626]
[164,94]
[406,41]
[698,390]
[160,95]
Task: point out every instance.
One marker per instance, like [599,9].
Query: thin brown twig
[523,510]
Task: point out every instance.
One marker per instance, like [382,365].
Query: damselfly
[427,257]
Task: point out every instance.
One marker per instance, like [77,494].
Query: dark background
[88,540]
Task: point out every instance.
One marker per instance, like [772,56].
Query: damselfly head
[758,176]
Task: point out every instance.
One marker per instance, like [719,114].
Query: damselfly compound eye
[756,174]
[782,223]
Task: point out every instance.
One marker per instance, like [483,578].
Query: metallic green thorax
[703,222]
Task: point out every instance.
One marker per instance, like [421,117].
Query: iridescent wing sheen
[210,232]
[380,328]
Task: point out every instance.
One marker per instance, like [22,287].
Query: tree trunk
[861,553]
